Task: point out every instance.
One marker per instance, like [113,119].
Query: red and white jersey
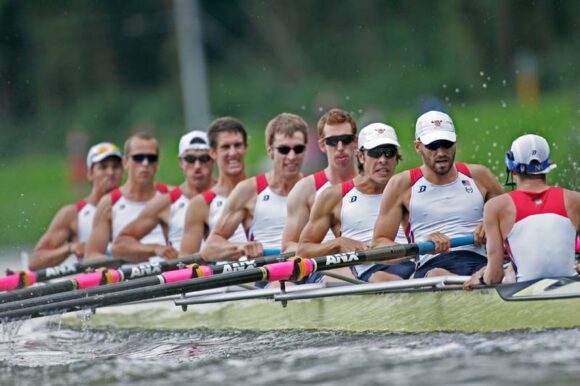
[454,209]
[542,241]
[358,214]
[269,216]
[124,211]
[216,205]
[176,226]
[85,216]
[321,183]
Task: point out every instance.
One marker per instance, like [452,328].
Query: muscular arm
[96,247]
[196,219]
[235,212]
[392,211]
[486,182]
[300,201]
[322,218]
[127,246]
[53,247]
[497,223]
[572,203]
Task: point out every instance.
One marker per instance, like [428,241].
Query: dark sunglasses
[139,158]
[286,149]
[335,139]
[377,152]
[191,159]
[440,143]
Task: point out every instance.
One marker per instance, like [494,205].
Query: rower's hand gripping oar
[175,283]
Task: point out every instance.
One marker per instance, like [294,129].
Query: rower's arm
[56,243]
[298,207]
[96,247]
[127,246]
[492,213]
[572,203]
[486,182]
[196,219]
[235,212]
[322,218]
[391,211]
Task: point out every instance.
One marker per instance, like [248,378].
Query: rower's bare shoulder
[305,187]
[331,194]
[479,171]
[159,203]
[498,203]
[399,183]
[243,192]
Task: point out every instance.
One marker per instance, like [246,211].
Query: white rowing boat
[421,305]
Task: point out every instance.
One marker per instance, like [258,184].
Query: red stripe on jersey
[462,168]
[115,195]
[550,200]
[347,187]
[162,188]
[175,194]
[80,205]
[208,196]
[320,179]
[415,175]
[261,183]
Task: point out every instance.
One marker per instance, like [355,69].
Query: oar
[145,279]
[291,270]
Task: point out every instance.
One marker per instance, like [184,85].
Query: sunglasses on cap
[335,139]
[440,143]
[191,159]
[139,158]
[286,149]
[377,152]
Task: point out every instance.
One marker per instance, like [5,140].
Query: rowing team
[355,203]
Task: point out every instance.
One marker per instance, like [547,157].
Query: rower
[351,208]
[337,139]
[70,228]
[259,203]
[228,144]
[168,210]
[537,223]
[441,198]
[122,205]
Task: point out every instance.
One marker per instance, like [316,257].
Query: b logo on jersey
[468,187]
[266,197]
[122,207]
[422,188]
[181,205]
[219,203]
[353,199]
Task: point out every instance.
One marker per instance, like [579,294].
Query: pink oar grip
[89,280]
[280,271]
[206,270]
[10,282]
[178,275]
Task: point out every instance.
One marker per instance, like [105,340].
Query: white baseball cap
[100,151]
[530,154]
[194,140]
[434,126]
[377,134]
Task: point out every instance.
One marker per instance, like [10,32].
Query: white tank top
[269,216]
[85,216]
[179,204]
[542,241]
[124,211]
[321,183]
[454,209]
[216,205]
[358,215]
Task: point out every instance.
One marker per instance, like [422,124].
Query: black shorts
[463,263]
[404,270]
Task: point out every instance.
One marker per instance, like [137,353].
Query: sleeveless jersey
[85,216]
[454,209]
[321,183]
[269,216]
[216,205]
[542,241]
[179,204]
[358,215]
[124,211]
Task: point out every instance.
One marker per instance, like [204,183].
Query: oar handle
[429,246]
[271,252]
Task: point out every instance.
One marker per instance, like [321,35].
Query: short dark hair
[225,125]
[286,124]
[335,117]
[140,135]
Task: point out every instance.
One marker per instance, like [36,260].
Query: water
[49,354]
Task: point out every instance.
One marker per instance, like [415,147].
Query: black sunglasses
[191,159]
[286,149]
[139,158]
[440,143]
[335,139]
[377,152]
